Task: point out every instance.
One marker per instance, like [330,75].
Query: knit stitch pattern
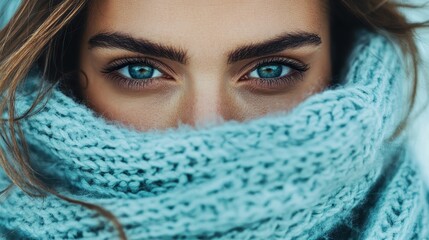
[292,175]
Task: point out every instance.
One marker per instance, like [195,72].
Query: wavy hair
[45,33]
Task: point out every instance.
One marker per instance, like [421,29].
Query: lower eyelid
[275,83]
[296,73]
[135,85]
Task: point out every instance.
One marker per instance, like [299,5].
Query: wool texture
[323,170]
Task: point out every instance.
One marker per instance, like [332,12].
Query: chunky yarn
[324,170]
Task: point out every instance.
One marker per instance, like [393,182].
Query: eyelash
[297,71]
[111,72]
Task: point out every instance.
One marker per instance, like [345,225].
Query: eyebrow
[258,49]
[144,46]
[274,45]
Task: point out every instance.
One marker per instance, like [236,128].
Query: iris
[139,71]
[270,71]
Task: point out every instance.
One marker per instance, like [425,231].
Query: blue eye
[271,70]
[139,71]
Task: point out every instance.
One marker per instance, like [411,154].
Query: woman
[220,119]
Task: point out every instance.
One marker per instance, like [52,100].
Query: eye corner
[294,73]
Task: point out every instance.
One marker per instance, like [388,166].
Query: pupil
[139,71]
[270,71]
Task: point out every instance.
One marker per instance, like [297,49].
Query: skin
[206,89]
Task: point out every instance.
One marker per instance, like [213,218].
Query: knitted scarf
[322,170]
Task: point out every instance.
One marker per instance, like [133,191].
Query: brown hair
[39,31]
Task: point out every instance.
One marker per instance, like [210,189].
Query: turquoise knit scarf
[324,170]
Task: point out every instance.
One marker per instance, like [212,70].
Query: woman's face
[158,63]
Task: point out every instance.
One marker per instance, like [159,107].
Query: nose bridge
[208,93]
[206,100]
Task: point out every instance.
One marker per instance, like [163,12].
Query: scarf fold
[321,170]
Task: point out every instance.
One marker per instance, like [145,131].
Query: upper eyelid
[159,65]
[265,60]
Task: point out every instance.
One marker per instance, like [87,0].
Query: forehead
[202,23]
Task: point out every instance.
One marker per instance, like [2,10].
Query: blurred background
[420,128]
